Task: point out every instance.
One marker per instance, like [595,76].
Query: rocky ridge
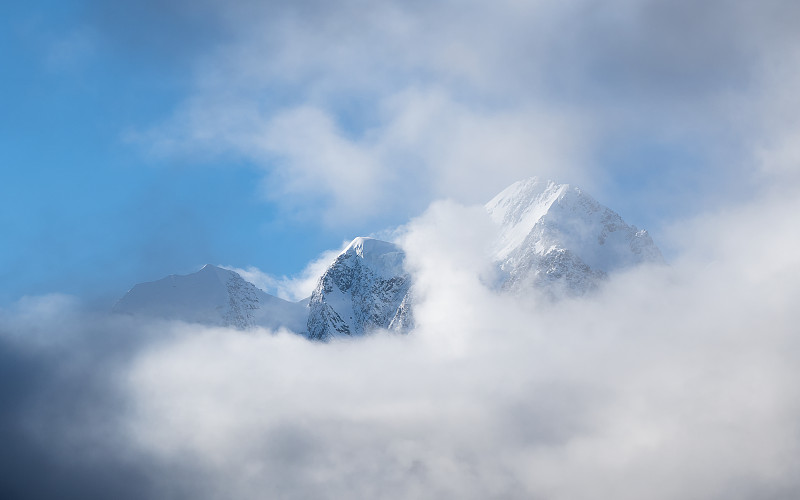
[555,241]
[361,291]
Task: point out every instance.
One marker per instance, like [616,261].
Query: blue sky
[84,211]
[141,139]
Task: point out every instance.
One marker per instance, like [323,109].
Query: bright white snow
[553,239]
[557,238]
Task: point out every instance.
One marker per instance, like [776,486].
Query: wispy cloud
[471,97]
[293,288]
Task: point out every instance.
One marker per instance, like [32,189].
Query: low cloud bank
[672,382]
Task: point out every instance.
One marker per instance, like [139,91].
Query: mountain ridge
[213,296]
[555,241]
[361,291]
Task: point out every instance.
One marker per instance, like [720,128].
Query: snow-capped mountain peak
[364,246]
[362,290]
[557,238]
[382,257]
[213,296]
[554,239]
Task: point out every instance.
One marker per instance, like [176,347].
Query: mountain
[362,290]
[554,240]
[212,296]
[559,240]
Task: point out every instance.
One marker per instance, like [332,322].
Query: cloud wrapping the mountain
[673,382]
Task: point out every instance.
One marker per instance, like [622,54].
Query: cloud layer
[675,382]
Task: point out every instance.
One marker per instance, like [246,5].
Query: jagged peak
[534,215]
[365,246]
[550,235]
[360,291]
[382,257]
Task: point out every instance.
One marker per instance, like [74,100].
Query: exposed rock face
[403,320]
[361,291]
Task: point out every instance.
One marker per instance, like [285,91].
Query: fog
[671,382]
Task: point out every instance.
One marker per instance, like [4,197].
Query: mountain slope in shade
[362,290]
[212,296]
[557,239]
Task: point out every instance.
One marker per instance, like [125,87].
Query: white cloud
[683,377]
[444,100]
[292,288]
[424,145]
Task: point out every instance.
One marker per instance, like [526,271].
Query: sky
[140,139]
[90,211]
[150,138]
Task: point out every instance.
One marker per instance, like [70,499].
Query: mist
[675,381]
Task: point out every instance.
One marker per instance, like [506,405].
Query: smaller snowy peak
[211,296]
[363,245]
[360,291]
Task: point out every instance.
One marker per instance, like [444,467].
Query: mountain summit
[362,290]
[559,240]
[554,240]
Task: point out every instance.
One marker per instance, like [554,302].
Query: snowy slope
[363,289]
[212,296]
[556,238]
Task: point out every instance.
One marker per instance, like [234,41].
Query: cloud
[438,100]
[59,405]
[316,166]
[681,376]
[292,288]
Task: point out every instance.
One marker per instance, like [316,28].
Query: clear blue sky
[139,139]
